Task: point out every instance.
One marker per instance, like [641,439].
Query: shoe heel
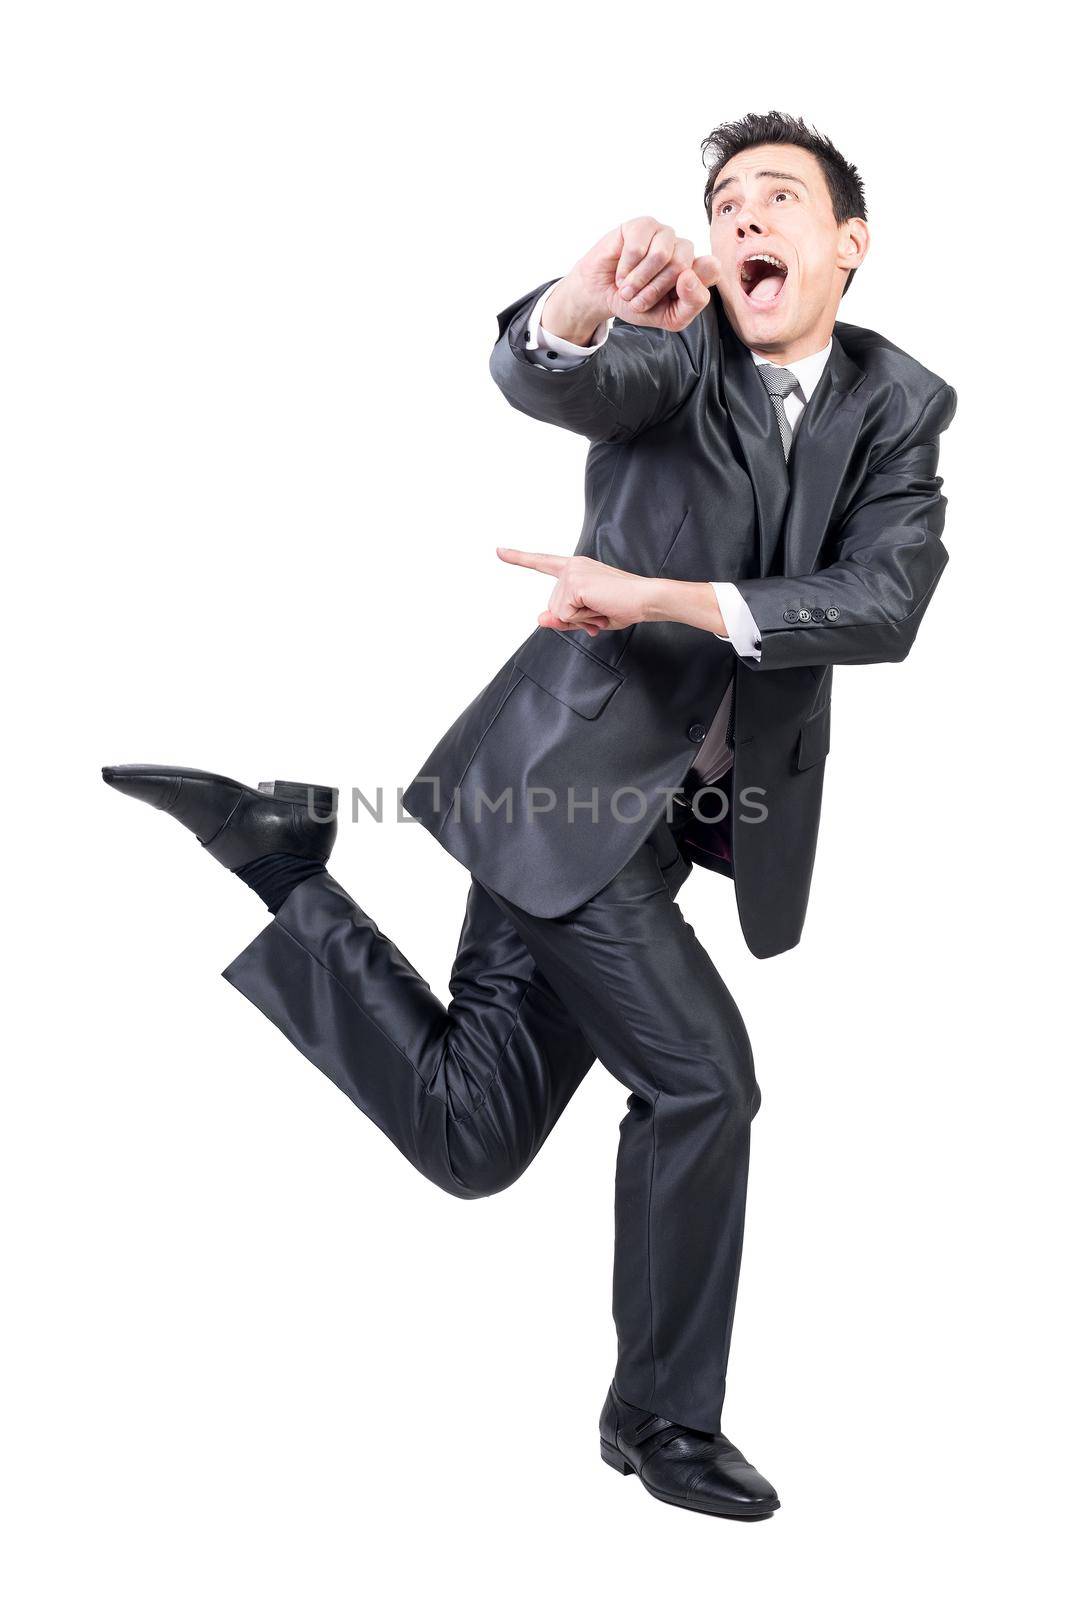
[615,1458]
[321,803]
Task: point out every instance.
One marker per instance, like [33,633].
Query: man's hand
[590,595]
[640,272]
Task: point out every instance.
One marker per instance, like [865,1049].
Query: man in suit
[761,504]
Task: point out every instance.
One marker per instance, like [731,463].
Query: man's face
[773,200]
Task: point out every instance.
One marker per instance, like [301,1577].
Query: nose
[746,220]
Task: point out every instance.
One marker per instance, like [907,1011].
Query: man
[761,504]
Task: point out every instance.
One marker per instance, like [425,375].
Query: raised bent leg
[468,1091]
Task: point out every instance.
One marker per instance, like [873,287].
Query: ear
[853,242]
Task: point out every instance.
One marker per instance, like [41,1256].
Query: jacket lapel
[795,504]
[823,443]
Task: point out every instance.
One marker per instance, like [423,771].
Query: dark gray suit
[573,947]
[836,557]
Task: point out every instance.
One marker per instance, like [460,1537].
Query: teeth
[762,256]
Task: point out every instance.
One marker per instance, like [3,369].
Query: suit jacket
[836,555]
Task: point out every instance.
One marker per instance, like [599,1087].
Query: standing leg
[660,1018]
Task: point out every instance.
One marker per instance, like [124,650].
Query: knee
[746,1089]
[479,1186]
[481,1183]
[479,1170]
[740,1099]
[734,1076]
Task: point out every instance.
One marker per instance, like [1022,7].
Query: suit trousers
[469,1091]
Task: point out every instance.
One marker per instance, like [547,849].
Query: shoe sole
[616,1459]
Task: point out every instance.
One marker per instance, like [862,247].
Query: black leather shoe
[234,823]
[699,1471]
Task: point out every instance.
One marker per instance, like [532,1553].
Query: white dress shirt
[549,350]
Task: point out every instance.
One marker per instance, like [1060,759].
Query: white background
[254,472]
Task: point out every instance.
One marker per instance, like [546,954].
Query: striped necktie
[779,382]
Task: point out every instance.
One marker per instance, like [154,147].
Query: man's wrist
[569,317]
[671,600]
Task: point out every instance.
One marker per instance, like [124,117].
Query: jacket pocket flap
[568,672]
[815,740]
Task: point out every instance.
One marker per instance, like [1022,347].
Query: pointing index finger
[553,565]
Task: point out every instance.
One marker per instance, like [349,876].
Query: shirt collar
[807,371]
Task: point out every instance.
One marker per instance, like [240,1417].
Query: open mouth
[762,276]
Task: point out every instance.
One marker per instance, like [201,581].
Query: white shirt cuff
[742,630]
[549,350]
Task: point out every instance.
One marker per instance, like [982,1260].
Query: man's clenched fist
[640,272]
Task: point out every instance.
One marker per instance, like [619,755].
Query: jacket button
[791,615]
[833,613]
[697,732]
[818,614]
[804,616]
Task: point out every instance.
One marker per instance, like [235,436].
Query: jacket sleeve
[866,605]
[634,380]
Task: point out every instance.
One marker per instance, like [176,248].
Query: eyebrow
[724,182]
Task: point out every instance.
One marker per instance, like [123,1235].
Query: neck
[794,349]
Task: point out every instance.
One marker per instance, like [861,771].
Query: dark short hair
[778,127]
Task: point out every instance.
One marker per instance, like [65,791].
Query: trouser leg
[661,1020]
[468,1091]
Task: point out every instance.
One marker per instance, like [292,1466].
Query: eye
[779,192]
[722,209]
